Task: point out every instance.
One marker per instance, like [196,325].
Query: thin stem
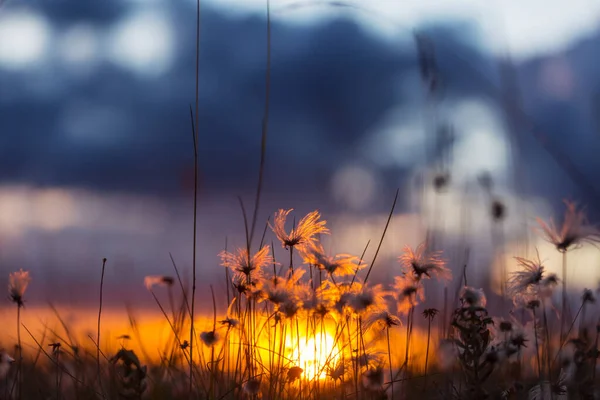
[548,352]
[195,135]
[582,307]
[265,124]
[595,358]
[390,359]
[20,373]
[537,346]
[382,235]
[564,296]
[99,323]
[427,354]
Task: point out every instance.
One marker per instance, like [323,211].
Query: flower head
[430,313]
[424,264]
[294,373]
[18,282]
[278,290]
[574,231]
[367,298]
[373,379]
[317,302]
[245,266]
[229,321]
[153,280]
[340,265]
[473,297]
[304,233]
[530,276]
[251,387]
[209,338]
[409,291]
[383,319]
[588,296]
[336,372]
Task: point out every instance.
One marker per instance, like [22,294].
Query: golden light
[316,354]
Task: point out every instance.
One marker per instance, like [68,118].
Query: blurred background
[458,104]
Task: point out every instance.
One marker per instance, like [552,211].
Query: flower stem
[98,329]
[390,361]
[427,354]
[563,314]
[20,373]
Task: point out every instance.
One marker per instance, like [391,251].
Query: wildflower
[494,355]
[279,290]
[441,181]
[498,210]
[340,265]
[336,372]
[424,264]
[5,362]
[153,280]
[546,287]
[244,285]
[304,233]
[367,357]
[384,319]
[373,379]
[131,374]
[430,313]
[317,302]
[209,338]
[409,292]
[289,308]
[294,373]
[244,266]
[229,321]
[55,348]
[18,282]
[588,296]
[505,326]
[575,230]
[366,298]
[251,387]
[531,274]
[473,297]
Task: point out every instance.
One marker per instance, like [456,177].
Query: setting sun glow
[316,354]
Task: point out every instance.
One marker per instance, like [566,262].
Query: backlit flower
[340,265]
[424,264]
[530,274]
[473,297]
[307,228]
[153,280]
[408,292]
[574,231]
[244,266]
[209,338]
[18,282]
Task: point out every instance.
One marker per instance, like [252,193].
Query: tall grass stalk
[195,218]
[99,325]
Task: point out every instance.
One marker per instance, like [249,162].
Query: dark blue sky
[106,111]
